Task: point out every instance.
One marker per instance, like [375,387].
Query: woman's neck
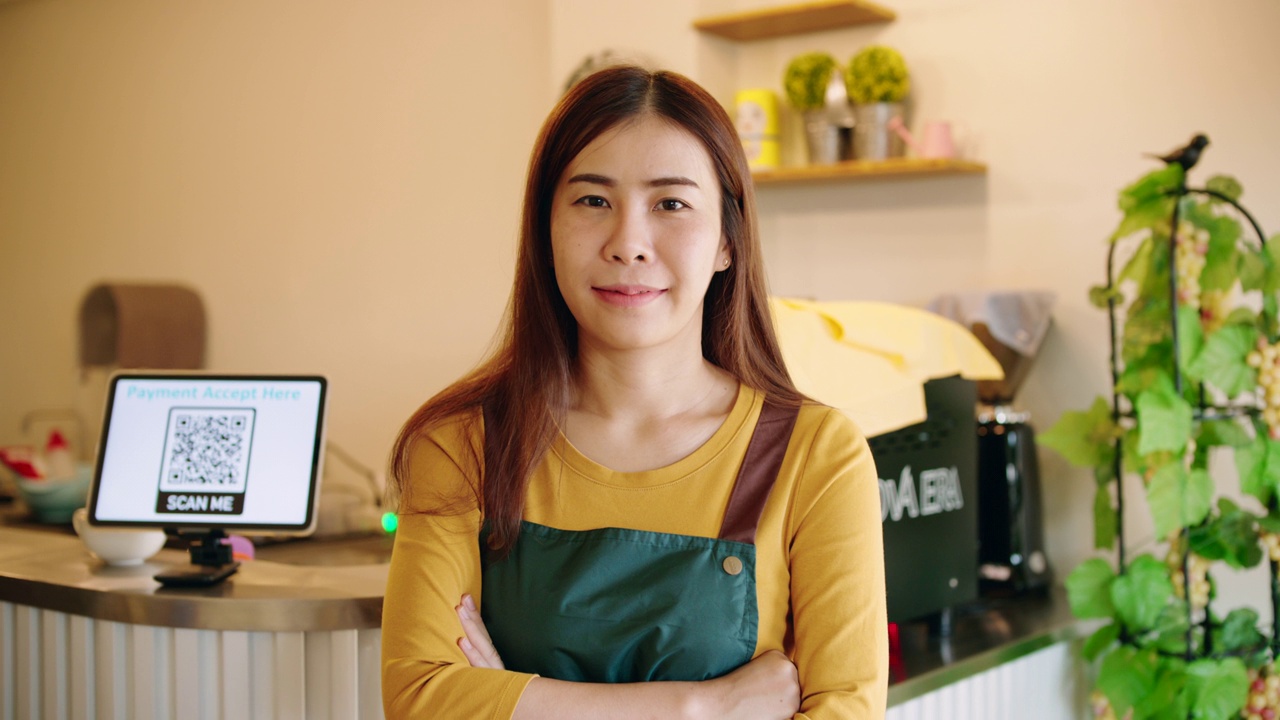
[647,385]
[638,411]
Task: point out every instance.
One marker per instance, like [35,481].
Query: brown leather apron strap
[759,470]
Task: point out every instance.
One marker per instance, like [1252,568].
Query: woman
[629,510]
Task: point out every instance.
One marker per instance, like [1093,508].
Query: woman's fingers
[474,658]
[475,643]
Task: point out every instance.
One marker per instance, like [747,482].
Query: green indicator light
[390,522]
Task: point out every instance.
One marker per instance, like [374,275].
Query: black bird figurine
[1188,155]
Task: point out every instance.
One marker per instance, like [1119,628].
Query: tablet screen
[210,451]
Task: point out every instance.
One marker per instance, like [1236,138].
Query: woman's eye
[672,204]
[593,201]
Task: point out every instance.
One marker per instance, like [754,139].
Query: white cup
[117,546]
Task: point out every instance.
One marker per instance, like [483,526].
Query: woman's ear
[724,258]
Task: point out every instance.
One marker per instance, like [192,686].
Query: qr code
[207,449]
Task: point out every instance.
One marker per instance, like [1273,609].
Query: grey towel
[1011,324]
[1018,319]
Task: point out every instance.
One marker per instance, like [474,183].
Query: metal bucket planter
[822,136]
[873,139]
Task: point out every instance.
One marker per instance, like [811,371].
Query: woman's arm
[766,688]
[837,578]
[763,689]
[437,558]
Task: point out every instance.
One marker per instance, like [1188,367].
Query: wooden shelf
[869,170]
[813,16]
[794,19]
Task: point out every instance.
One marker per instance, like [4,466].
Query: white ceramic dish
[117,546]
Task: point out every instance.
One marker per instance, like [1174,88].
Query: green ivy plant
[1196,374]
[807,78]
[877,73]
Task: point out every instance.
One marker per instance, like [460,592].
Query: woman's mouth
[627,295]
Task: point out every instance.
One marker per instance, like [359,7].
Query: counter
[283,639]
[1011,658]
[53,571]
[80,639]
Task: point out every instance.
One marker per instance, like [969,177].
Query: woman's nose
[630,237]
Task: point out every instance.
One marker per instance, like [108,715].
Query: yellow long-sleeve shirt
[819,567]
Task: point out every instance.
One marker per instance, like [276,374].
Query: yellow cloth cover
[872,359]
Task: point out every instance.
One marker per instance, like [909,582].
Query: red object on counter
[896,668]
[58,460]
[21,459]
[56,442]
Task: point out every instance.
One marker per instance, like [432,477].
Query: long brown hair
[526,381]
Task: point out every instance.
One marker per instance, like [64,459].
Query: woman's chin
[642,339]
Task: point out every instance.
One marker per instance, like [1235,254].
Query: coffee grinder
[1012,326]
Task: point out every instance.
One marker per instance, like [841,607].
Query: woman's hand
[476,643]
[767,688]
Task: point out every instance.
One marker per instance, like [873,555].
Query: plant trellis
[1195,365]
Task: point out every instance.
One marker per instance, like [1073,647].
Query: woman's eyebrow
[674,180]
[593,179]
[610,182]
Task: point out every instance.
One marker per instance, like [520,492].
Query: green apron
[619,605]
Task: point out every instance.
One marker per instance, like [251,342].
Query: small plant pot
[873,139]
[822,137]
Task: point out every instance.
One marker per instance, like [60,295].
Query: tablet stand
[211,560]
[208,548]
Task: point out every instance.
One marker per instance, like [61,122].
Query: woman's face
[636,236]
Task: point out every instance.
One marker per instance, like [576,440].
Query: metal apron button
[732,565]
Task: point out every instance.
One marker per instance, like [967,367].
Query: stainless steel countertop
[54,571]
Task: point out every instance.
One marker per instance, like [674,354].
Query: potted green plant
[1195,368]
[806,81]
[877,81]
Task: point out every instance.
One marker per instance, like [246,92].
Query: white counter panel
[55,666]
[1049,684]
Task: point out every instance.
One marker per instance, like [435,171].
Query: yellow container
[757,123]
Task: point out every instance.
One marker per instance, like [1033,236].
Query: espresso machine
[1012,326]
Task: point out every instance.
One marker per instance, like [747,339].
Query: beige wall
[340,181]
[1060,99]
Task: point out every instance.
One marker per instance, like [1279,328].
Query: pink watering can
[937,142]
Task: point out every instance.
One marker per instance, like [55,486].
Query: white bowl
[117,546]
